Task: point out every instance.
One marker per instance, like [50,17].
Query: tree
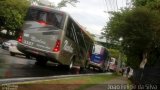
[12,13]
[62,3]
[139,28]
[114,53]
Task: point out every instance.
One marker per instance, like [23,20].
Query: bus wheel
[74,69]
[28,57]
[41,61]
[71,64]
[86,66]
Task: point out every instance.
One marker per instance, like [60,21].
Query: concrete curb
[31,79]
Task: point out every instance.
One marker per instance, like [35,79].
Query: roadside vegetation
[74,83]
[138,28]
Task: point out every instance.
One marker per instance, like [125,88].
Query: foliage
[150,4]
[118,55]
[114,53]
[64,3]
[139,28]
[12,13]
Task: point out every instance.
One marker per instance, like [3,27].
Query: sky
[92,14]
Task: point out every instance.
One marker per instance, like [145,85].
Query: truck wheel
[103,68]
[85,68]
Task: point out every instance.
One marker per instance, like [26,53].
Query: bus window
[44,18]
[69,31]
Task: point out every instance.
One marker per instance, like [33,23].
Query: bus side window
[32,14]
[69,32]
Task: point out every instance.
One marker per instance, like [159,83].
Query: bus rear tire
[28,57]
[74,69]
[41,61]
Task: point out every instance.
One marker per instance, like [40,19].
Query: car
[14,51]
[13,48]
[6,44]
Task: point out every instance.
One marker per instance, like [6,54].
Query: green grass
[83,82]
[95,79]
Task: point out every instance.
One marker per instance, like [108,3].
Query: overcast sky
[91,13]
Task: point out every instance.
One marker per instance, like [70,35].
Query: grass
[73,83]
[95,79]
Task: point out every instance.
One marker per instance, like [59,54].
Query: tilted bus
[53,35]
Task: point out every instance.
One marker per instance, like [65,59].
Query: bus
[99,58]
[53,35]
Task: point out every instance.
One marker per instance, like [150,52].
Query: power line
[106,5]
[110,4]
[114,5]
[117,5]
[127,4]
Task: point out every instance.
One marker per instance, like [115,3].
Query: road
[19,66]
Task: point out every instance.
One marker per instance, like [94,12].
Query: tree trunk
[144,60]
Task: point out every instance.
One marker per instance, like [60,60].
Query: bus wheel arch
[72,61]
[74,68]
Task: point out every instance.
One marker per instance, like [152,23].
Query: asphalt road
[19,66]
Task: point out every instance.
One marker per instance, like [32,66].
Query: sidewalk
[117,81]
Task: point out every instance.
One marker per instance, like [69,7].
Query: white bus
[52,35]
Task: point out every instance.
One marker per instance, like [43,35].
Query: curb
[31,79]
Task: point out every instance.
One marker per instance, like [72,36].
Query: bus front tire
[74,69]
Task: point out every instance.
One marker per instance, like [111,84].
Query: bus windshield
[97,49]
[41,18]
